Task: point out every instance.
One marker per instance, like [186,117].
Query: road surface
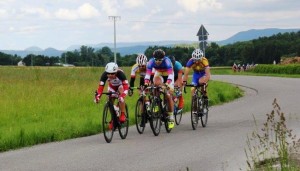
[219,146]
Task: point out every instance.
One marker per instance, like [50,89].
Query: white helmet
[141,59]
[111,67]
[197,54]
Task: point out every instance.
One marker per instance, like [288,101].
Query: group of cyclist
[160,70]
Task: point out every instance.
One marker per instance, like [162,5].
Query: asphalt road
[219,146]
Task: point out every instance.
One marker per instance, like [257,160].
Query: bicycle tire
[155,120]
[107,117]
[177,114]
[204,113]
[123,127]
[139,116]
[165,119]
[194,112]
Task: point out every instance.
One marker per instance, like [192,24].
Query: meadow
[46,104]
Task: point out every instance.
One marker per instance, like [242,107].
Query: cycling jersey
[199,68]
[119,80]
[198,65]
[177,69]
[163,69]
[137,70]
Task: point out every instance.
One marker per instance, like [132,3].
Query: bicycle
[199,106]
[158,110]
[177,112]
[142,108]
[111,118]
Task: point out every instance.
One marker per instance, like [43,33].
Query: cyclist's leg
[171,122]
[180,98]
[122,105]
[203,89]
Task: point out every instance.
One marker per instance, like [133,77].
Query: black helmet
[159,54]
[172,59]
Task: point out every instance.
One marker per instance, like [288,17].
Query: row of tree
[263,50]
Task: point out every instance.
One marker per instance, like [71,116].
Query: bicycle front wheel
[177,114]
[155,120]
[204,112]
[139,116]
[123,127]
[194,112]
[107,123]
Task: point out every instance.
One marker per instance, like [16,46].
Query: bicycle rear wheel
[123,127]
[107,123]
[155,120]
[204,112]
[139,109]
[194,112]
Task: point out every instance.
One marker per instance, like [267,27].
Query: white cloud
[3,13]
[197,5]
[40,12]
[85,11]
[140,25]
[133,3]
[109,6]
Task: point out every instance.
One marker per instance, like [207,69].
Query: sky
[62,23]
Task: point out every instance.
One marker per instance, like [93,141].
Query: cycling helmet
[159,54]
[173,59]
[197,54]
[111,67]
[141,59]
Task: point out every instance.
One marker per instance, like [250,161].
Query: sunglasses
[159,60]
[142,66]
[111,73]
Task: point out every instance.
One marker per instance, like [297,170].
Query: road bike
[159,109]
[142,108]
[110,120]
[177,112]
[199,106]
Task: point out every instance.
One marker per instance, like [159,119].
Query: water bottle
[117,110]
[147,103]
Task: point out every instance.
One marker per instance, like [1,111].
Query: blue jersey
[177,68]
[164,68]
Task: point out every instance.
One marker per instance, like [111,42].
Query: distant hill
[34,50]
[254,34]
[127,48]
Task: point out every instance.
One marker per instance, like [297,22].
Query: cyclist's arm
[124,80]
[207,74]
[186,73]
[103,79]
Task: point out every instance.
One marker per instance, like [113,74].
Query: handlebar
[192,85]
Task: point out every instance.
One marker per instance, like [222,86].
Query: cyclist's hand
[97,97]
[122,97]
[147,83]
[130,92]
[184,83]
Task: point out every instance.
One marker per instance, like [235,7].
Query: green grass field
[45,104]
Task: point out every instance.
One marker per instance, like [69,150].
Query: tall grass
[271,147]
[45,104]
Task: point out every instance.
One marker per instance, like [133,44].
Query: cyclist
[163,74]
[117,83]
[201,69]
[138,68]
[178,72]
